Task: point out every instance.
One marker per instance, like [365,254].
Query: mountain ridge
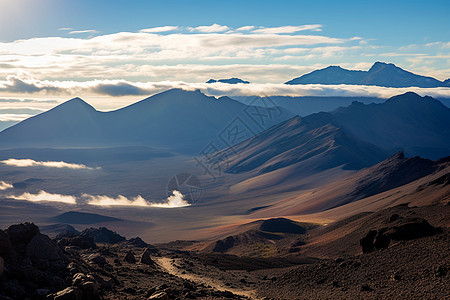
[379,74]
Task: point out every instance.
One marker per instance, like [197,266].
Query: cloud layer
[47,197]
[47,164]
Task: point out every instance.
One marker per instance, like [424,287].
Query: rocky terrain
[400,252]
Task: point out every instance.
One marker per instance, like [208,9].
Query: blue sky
[56,49]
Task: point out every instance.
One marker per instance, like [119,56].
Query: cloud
[289,29]
[118,201]
[212,28]
[160,29]
[174,201]
[47,164]
[14,117]
[245,28]
[83,31]
[65,28]
[44,196]
[5,186]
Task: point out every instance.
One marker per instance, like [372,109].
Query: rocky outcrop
[145,258]
[129,257]
[401,229]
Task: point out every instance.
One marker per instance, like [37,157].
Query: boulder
[76,240]
[21,234]
[400,230]
[129,257]
[145,258]
[70,293]
[97,259]
[42,247]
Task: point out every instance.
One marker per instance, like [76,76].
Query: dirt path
[168,264]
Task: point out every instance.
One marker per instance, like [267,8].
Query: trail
[167,264]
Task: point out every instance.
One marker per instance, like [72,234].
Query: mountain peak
[75,103]
[382,65]
[233,80]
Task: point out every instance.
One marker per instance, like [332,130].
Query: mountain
[418,125]
[313,140]
[233,80]
[380,74]
[184,121]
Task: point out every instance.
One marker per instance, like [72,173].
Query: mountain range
[178,120]
[380,74]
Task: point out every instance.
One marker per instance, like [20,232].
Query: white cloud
[5,186]
[288,29]
[65,28]
[245,28]
[160,29]
[212,28]
[44,196]
[83,31]
[123,88]
[174,201]
[118,201]
[14,117]
[48,164]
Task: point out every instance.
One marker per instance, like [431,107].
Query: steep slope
[176,119]
[418,125]
[380,74]
[298,140]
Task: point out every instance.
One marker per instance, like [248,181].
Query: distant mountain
[354,137]
[178,120]
[233,80]
[417,125]
[380,74]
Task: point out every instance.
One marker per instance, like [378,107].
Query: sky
[112,53]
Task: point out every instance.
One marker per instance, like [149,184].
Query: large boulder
[76,240]
[129,257]
[401,229]
[42,247]
[21,234]
[145,258]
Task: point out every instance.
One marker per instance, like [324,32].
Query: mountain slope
[176,119]
[299,140]
[380,74]
[233,80]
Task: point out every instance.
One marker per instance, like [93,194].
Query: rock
[97,259]
[21,234]
[396,276]
[42,292]
[145,258]
[129,257]
[2,266]
[441,271]
[42,247]
[70,293]
[89,290]
[13,289]
[401,229]
[6,247]
[159,296]
[366,288]
[137,242]
[103,235]
[77,240]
